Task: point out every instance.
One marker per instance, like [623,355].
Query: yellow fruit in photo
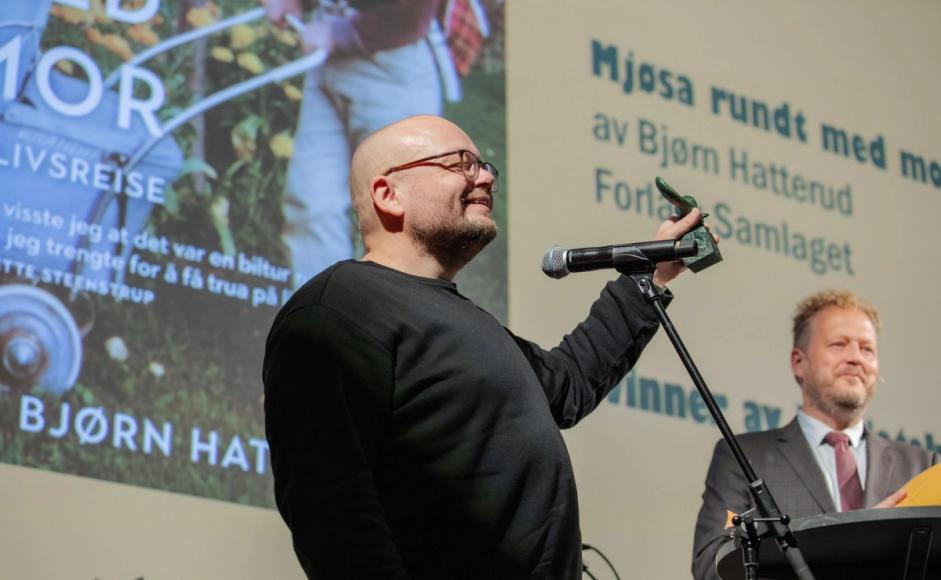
[241,36]
[291,92]
[250,62]
[199,17]
[65,66]
[143,34]
[118,46]
[282,145]
[222,54]
[72,15]
[97,9]
[285,36]
[94,35]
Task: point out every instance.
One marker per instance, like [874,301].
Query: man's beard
[846,407]
[454,244]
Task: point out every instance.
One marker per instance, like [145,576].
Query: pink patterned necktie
[851,490]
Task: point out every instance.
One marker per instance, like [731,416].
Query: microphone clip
[629,260]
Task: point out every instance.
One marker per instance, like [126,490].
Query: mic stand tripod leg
[764,502]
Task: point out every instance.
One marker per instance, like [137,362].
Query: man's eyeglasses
[470,166]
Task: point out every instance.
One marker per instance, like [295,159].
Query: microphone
[626,258]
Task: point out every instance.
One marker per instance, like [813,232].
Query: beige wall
[63,526]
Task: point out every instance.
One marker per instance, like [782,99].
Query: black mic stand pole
[640,270]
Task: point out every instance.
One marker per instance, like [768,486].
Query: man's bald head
[395,144]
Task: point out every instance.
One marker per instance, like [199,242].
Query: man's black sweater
[412,436]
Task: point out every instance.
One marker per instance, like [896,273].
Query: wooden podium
[872,544]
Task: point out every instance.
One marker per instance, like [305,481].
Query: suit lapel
[793,445]
[879,464]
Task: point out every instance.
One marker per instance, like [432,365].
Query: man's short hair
[810,306]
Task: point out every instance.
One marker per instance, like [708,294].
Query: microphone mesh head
[553,263]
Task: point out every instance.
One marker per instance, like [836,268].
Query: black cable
[603,557]
[585,570]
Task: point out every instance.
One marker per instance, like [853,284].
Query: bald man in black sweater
[411,434]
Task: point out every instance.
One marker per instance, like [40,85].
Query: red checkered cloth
[464,38]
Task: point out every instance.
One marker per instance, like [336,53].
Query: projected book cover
[169,172]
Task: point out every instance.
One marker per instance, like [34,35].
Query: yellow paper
[729,514]
[924,489]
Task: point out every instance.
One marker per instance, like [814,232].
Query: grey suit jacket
[784,460]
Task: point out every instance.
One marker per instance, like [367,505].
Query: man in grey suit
[825,460]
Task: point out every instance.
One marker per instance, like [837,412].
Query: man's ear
[797,364]
[385,198]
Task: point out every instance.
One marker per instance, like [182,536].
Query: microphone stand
[636,266]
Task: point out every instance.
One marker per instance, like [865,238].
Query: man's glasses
[470,166]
